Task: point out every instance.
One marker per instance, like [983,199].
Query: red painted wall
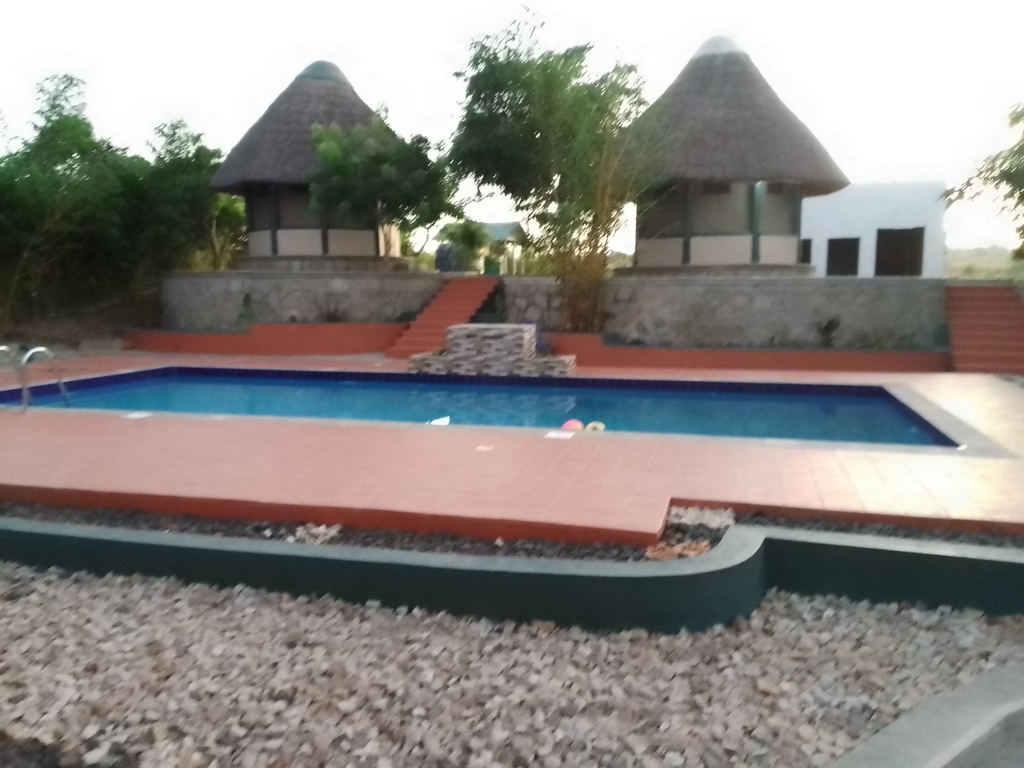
[274,339]
[590,350]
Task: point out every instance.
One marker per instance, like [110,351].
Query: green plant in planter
[332,309]
[827,331]
[247,314]
[407,317]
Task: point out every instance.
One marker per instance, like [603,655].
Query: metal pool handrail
[22,367]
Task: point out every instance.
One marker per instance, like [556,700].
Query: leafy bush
[83,221]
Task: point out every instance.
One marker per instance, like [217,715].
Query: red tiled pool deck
[511,482]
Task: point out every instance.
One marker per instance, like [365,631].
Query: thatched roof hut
[720,120]
[272,166]
[731,164]
[278,148]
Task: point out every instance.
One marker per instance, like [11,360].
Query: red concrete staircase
[456,303]
[986,329]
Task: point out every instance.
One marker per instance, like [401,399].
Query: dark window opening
[899,252]
[259,203]
[805,252]
[716,187]
[777,188]
[843,255]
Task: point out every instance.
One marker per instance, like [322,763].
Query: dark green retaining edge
[693,594]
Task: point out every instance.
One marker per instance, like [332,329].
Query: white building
[869,230]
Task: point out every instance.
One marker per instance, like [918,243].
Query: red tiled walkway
[491,482]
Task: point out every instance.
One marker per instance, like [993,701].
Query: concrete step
[446,313]
[1013,361]
[423,339]
[990,350]
[456,303]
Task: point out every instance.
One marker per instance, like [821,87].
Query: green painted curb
[884,569]
[692,594]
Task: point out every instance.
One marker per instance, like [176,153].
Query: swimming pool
[864,414]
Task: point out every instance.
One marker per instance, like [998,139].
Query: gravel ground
[127,671]
[899,531]
[683,530]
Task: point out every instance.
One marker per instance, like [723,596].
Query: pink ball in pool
[573,425]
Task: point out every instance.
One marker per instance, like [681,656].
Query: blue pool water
[802,412]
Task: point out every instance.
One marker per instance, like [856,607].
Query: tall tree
[52,194]
[1004,173]
[181,212]
[370,176]
[536,125]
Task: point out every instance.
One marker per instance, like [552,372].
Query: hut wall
[720,251]
[296,212]
[721,213]
[779,213]
[662,252]
[299,242]
[261,243]
[662,216]
[779,249]
[350,242]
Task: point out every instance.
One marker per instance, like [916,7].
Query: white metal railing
[21,367]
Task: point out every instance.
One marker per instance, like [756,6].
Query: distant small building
[506,245]
[735,164]
[272,164]
[876,230]
[503,231]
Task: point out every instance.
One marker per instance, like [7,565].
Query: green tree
[1004,173]
[83,221]
[536,125]
[180,215]
[468,237]
[225,235]
[372,177]
[54,194]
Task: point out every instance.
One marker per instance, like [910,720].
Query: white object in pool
[443,421]
[137,415]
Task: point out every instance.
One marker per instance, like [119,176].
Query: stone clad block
[491,349]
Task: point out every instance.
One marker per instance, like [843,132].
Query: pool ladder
[21,366]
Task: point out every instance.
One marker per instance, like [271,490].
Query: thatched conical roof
[721,121]
[278,148]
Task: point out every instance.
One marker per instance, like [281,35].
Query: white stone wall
[216,301]
[669,311]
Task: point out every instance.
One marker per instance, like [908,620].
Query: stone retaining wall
[217,301]
[663,311]
[873,313]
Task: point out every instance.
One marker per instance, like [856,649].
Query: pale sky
[896,90]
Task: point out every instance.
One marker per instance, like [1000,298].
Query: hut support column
[276,223]
[797,211]
[687,221]
[756,208]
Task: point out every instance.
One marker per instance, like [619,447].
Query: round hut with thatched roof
[272,164]
[733,164]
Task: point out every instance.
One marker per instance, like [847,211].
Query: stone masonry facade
[758,313]
[224,301]
[663,311]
